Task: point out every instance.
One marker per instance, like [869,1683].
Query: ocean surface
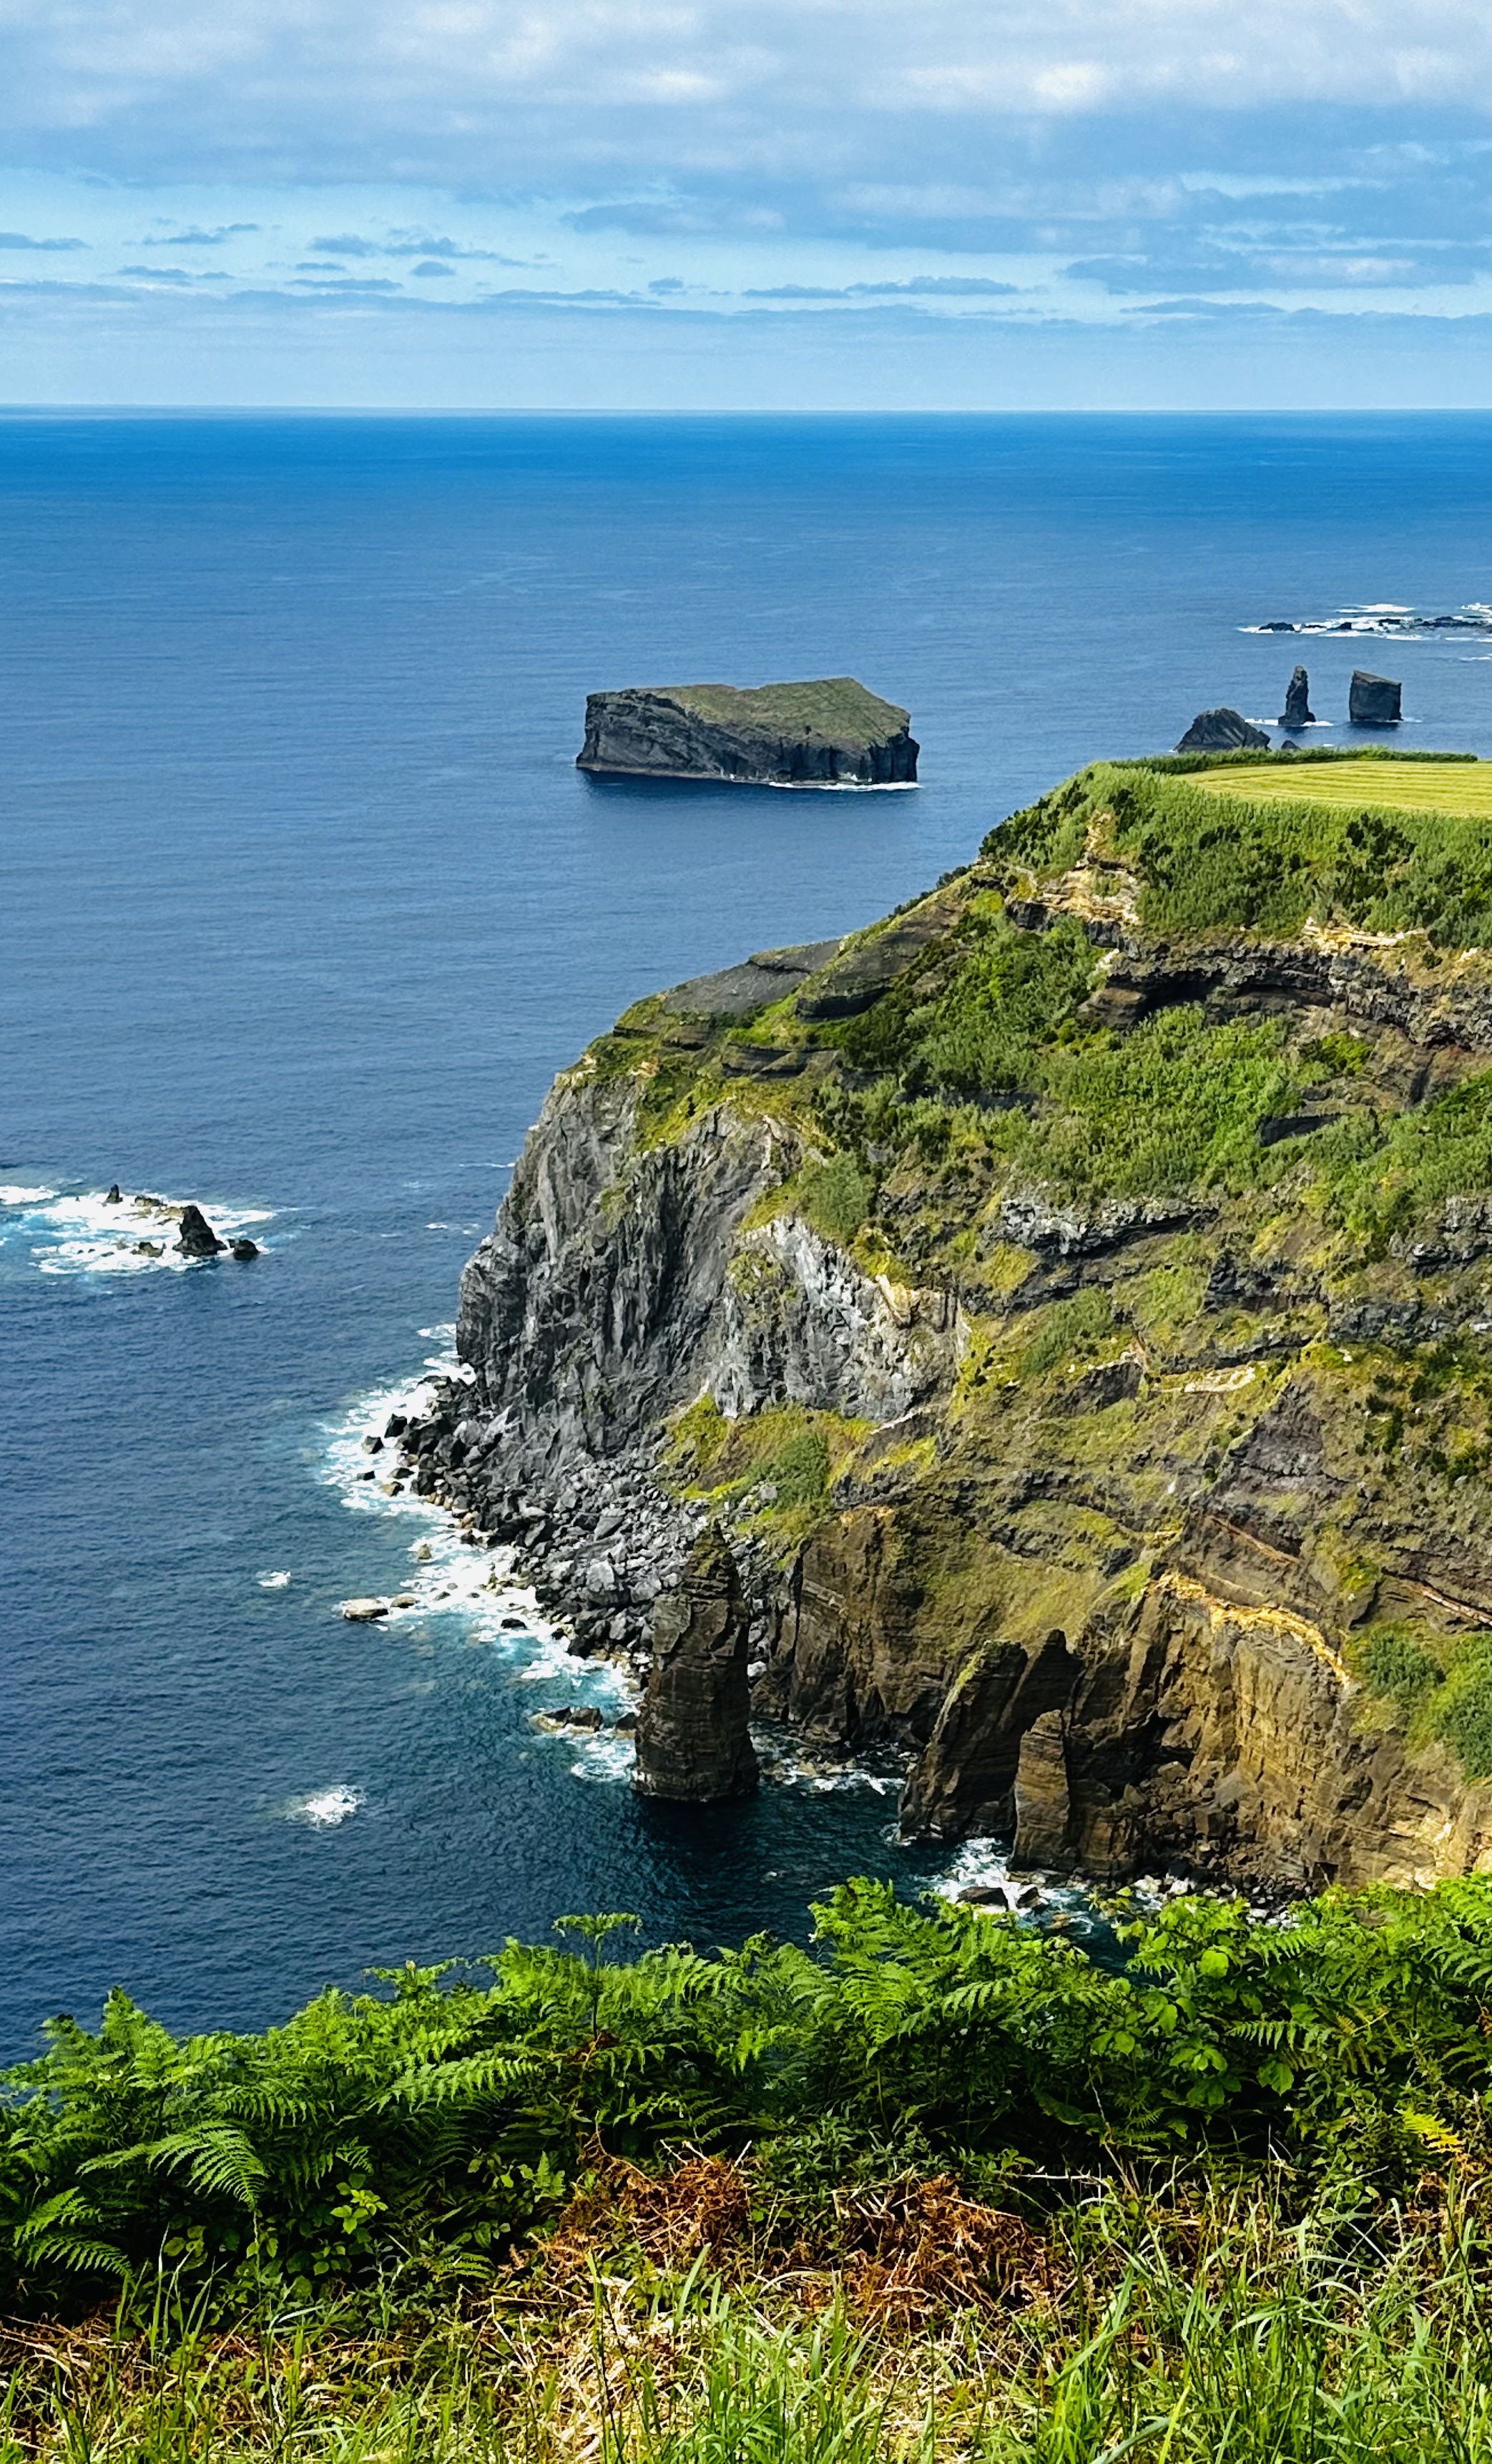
[304,903]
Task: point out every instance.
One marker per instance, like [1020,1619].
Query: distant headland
[828,731]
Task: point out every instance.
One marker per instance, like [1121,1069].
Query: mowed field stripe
[1412,786]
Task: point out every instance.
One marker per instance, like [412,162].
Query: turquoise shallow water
[305,903]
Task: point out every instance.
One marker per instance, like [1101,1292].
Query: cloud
[405,243]
[1159,150]
[165,273]
[590,90]
[1346,266]
[199,239]
[919,286]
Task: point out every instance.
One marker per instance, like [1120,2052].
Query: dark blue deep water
[304,904]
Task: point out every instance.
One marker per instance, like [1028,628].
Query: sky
[745,204]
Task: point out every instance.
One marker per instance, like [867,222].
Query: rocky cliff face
[826,734]
[1076,1308]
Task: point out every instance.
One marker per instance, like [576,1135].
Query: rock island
[827,733]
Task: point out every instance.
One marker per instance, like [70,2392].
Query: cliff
[1075,1298]
[825,734]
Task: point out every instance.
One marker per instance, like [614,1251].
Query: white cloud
[484,89]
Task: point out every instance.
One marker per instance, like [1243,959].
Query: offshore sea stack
[1297,710]
[1223,731]
[1374,702]
[827,733]
[197,1238]
[693,1745]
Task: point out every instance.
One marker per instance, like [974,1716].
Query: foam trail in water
[323,1809]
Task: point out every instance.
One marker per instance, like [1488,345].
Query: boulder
[825,733]
[197,1238]
[243,1249]
[694,1743]
[362,1612]
[1297,710]
[1373,701]
[111,1195]
[1223,731]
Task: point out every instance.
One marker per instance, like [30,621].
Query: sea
[305,903]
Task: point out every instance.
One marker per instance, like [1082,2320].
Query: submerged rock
[1297,710]
[197,1238]
[1374,702]
[694,1745]
[826,733]
[1223,731]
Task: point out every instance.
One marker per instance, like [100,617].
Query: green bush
[801,1470]
[1071,1328]
[427,2126]
[836,1196]
[1463,1708]
[1395,1665]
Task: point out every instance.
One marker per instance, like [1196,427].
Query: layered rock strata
[825,734]
[1116,1484]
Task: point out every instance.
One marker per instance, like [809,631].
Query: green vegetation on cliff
[1181,1096]
[837,708]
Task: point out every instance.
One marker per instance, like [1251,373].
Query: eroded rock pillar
[694,1745]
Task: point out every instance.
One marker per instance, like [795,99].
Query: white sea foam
[326,1808]
[983,1865]
[277,1582]
[471,1594]
[977,1865]
[81,1233]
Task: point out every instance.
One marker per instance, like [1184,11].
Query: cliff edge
[828,732]
[1073,1297]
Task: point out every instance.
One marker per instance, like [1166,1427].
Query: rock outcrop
[1297,710]
[693,1741]
[1373,701]
[196,1238]
[828,732]
[1223,731]
[1074,1305]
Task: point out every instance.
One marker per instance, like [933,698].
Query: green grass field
[1413,787]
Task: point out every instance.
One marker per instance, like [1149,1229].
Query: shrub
[836,1196]
[801,1470]
[1395,1665]
[1464,1709]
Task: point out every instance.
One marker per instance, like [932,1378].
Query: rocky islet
[829,732]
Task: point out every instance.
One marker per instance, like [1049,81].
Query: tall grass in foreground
[1220,2339]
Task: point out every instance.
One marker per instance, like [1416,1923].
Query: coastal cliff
[1073,1297]
[826,733]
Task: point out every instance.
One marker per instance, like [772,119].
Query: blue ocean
[305,903]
